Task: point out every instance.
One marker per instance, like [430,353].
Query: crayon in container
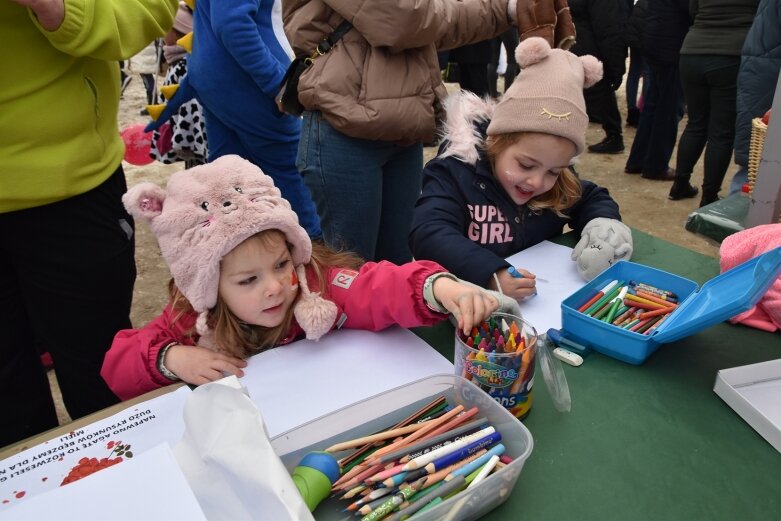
[499,357]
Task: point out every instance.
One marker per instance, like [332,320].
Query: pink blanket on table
[745,245]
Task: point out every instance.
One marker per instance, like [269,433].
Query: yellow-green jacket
[59,95]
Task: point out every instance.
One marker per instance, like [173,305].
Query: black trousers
[601,103]
[710,87]
[657,132]
[474,78]
[67,271]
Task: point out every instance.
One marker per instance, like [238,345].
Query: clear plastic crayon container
[383,410]
[500,361]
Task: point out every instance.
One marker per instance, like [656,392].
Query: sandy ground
[644,205]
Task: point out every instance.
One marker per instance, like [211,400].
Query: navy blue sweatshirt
[465,221]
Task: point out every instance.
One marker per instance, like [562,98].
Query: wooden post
[766,198]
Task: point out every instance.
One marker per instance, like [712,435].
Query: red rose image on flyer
[87,466]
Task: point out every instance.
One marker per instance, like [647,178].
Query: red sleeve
[130,366]
[383,294]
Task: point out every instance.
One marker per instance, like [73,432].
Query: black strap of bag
[288,89]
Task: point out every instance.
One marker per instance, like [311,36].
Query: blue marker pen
[514,273]
[518,275]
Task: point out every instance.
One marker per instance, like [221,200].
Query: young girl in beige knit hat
[502,181]
[246,278]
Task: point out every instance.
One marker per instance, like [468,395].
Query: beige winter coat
[381,81]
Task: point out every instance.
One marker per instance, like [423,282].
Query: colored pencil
[421,447]
[380,436]
[438,493]
[487,468]
[456,446]
[429,426]
[496,450]
[426,409]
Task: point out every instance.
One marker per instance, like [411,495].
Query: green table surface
[651,441]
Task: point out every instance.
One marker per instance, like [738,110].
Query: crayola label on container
[502,368]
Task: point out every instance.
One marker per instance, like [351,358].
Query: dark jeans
[274,155]
[66,282]
[658,128]
[603,105]
[710,87]
[149,86]
[364,190]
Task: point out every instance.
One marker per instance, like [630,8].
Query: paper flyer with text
[84,451]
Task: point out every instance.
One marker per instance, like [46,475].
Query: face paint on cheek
[294,279]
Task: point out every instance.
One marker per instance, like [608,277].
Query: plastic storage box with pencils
[717,300]
[378,412]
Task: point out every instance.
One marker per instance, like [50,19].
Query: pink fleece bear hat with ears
[206,212]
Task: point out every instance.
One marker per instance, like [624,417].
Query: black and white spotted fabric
[183,137]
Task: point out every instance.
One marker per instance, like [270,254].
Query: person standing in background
[67,264]
[147,65]
[239,58]
[183,137]
[473,61]
[760,64]
[374,99]
[638,69]
[664,24]
[600,33]
[710,59]
[508,39]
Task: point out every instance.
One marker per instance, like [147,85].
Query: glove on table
[602,243]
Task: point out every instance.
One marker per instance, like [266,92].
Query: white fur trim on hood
[464,110]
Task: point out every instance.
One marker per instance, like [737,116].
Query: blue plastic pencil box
[719,299]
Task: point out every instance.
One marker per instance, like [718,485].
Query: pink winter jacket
[374,298]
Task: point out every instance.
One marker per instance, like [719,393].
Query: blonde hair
[565,192]
[240,339]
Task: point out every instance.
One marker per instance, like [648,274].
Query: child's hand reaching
[515,286]
[469,304]
[198,365]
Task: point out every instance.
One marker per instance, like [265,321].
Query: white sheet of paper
[299,382]
[150,486]
[551,262]
[44,466]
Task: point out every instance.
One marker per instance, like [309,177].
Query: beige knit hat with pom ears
[547,96]
[206,212]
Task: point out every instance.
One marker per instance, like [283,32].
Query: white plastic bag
[228,460]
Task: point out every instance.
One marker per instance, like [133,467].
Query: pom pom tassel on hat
[314,314]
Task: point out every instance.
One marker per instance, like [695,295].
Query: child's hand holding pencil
[517,283]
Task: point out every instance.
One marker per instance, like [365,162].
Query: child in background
[246,278]
[183,137]
[147,65]
[502,184]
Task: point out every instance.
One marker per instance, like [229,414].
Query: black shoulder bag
[288,89]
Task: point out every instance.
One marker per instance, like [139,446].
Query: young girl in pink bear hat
[246,278]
